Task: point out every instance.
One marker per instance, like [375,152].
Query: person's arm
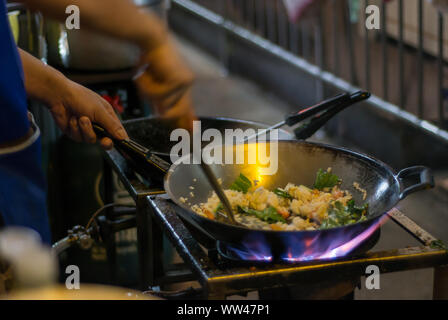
[167,80]
[73,107]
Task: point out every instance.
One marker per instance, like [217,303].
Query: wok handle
[102,133]
[425,176]
[127,144]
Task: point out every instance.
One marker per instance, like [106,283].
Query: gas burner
[228,254]
[241,255]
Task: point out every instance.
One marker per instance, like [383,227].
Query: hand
[76,107]
[167,81]
[73,106]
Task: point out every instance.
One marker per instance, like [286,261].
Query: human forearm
[42,82]
[163,76]
[73,106]
[117,18]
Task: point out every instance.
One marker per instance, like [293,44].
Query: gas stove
[224,269]
[258,255]
[221,272]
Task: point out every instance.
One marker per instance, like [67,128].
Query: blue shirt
[14,122]
[22,183]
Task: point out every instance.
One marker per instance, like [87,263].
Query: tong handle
[295,117]
[308,129]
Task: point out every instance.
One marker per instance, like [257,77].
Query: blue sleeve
[23,190]
[14,122]
[22,183]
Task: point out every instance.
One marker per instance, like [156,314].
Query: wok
[298,162]
[154,132]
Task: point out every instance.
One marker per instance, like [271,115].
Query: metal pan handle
[134,150]
[127,144]
[310,127]
[295,117]
[425,175]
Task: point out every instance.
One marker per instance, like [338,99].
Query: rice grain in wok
[294,208]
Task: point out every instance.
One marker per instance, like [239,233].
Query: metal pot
[89,51]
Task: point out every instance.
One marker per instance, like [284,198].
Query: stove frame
[155,216]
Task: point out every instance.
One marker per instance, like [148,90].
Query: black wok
[154,132]
[298,163]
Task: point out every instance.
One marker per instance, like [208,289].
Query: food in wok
[292,208]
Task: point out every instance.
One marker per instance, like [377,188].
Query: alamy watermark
[372,277]
[373,18]
[227,148]
[73,21]
[73,280]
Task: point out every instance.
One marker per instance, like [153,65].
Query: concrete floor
[218,94]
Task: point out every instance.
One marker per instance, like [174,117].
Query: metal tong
[322,112]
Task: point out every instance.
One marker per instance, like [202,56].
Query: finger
[110,123]
[74,131]
[150,87]
[106,143]
[87,132]
[160,90]
[174,105]
[166,73]
[183,112]
[186,123]
[179,105]
[171,101]
[109,109]
[59,114]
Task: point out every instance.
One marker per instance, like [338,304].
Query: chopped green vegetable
[269,215]
[219,207]
[242,183]
[438,244]
[357,212]
[340,215]
[325,179]
[282,193]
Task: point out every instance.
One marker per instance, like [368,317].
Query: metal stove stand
[156,215]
